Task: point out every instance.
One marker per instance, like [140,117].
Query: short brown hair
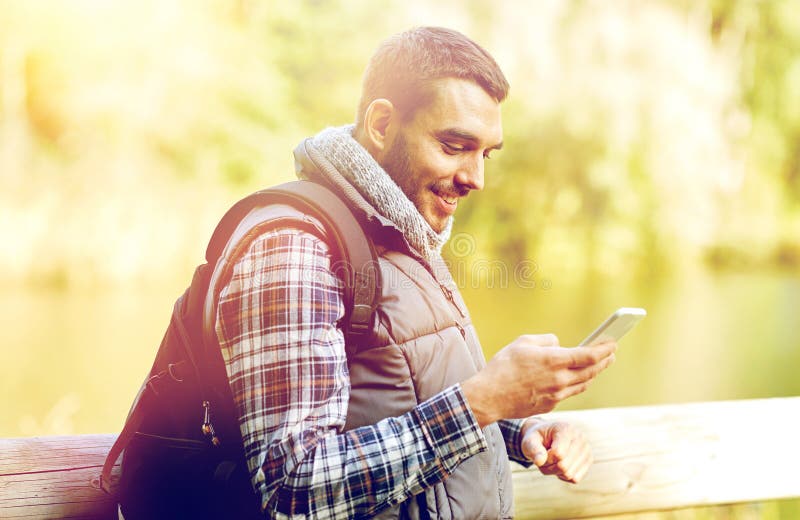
[405,64]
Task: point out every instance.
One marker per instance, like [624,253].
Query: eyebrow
[463,135]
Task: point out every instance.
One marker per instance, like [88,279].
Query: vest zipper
[449,295]
[461,330]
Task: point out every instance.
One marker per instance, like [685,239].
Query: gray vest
[422,341]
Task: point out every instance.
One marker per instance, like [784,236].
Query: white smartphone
[615,326]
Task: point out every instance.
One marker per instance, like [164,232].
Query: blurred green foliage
[640,136]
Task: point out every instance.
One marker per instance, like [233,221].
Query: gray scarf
[359,168]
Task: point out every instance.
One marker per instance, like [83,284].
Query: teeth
[449,200]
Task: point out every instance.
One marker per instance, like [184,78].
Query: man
[415,424]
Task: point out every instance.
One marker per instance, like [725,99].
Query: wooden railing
[646,458]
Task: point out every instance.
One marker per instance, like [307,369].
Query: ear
[377,119]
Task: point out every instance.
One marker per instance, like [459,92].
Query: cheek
[434,165]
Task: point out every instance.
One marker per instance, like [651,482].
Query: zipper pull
[461,330]
[449,295]
[208,428]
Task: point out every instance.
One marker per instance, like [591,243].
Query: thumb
[535,450]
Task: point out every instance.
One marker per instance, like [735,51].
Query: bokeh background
[652,159]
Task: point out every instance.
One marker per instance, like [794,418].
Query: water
[706,337]
[72,361]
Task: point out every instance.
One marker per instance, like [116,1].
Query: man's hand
[557,448]
[531,376]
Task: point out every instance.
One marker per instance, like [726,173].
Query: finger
[543,340]
[549,469]
[581,456]
[581,375]
[559,451]
[533,448]
[582,467]
[576,474]
[554,469]
[570,391]
[605,343]
[568,464]
[586,356]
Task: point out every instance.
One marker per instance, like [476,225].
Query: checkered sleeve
[285,356]
[512,433]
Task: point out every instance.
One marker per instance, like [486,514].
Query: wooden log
[667,457]
[646,458]
[51,477]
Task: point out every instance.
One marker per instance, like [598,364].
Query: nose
[470,174]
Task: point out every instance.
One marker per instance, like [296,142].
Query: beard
[397,164]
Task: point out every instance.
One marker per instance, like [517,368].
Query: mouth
[447,202]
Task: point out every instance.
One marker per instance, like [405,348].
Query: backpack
[181,447]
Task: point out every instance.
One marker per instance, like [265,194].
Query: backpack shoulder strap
[356,265]
[356,260]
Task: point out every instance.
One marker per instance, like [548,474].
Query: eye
[451,148]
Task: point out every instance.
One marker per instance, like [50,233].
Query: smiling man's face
[438,156]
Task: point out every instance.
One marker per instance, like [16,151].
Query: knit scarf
[361,170]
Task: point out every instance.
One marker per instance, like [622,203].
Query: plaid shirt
[285,357]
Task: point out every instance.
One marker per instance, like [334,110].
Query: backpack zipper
[208,427]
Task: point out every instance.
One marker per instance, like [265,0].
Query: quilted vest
[422,341]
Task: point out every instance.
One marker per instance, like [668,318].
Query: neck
[361,138]
[356,164]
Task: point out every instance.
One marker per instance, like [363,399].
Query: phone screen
[616,326]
